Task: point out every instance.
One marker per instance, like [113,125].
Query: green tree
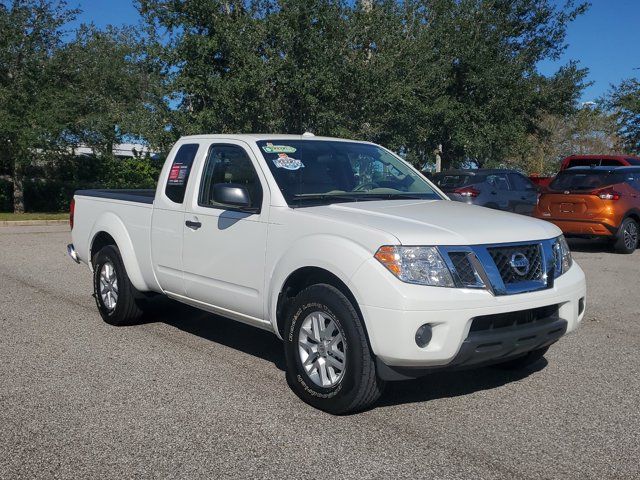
[413,74]
[215,57]
[30,34]
[624,101]
[584,132]
[113,92]
[481,63]
[62,89]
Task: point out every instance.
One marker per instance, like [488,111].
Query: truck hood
[439,222]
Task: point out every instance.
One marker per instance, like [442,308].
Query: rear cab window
[180,171]
[612,162]
[597,162]
[584,162]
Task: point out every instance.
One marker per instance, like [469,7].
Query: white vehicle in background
[364,269]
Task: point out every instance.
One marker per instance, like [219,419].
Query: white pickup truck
[363,268]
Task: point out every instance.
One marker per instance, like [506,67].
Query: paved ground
[192,395]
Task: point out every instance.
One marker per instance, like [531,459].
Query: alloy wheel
[631,235]
[322,349]
[108,286]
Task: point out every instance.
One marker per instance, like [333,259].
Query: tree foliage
[587,131]
[59,89]
[624,101]
[412,74]
[30,35]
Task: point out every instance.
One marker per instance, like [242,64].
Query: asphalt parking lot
[191,395]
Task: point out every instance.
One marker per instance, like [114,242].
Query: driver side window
[228,164]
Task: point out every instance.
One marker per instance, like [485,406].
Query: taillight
[467,192]
[72,209]
[607,194]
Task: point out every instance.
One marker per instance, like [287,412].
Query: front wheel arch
[304,277]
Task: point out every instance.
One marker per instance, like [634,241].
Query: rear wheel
[119,303]
[627,237]
[329,363]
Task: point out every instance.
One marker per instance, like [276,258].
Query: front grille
[464,269]
[512,319]
[502,256]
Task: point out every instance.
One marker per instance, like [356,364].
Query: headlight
[563,260]
[420,265]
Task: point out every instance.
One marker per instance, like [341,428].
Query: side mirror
[231,194]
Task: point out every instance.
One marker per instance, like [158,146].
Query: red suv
[589,161]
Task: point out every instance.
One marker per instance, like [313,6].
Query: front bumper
[450,313]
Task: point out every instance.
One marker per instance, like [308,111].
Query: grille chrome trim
[482,258]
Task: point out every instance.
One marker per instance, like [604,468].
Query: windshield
[584,180]
[323,171]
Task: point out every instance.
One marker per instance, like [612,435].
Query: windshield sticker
[288,163]
[271,148]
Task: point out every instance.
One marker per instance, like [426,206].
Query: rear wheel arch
[100,240]
[110,230]
[635,214]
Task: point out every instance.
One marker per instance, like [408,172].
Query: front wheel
[627,237]
[119,303]
[329,363]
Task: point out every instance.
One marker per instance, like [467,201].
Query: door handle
[193,225]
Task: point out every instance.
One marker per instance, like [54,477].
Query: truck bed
[128,195]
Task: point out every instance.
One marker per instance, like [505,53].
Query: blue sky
[606,39]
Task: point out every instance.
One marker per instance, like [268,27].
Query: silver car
[494,188]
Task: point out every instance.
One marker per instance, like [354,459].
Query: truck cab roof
[256,137]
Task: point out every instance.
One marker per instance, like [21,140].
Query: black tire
[624,242]
[524,361]
[359,386]
[128,307]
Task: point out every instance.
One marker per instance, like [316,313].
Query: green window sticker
[271,148]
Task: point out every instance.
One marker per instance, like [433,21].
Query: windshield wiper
[394,196]
[328,198]
[323,198]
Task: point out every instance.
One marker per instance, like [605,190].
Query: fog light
[423,335]
[581,306]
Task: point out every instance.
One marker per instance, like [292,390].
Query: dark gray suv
[494,188]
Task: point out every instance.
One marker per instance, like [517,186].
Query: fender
[110,223]
[343,260]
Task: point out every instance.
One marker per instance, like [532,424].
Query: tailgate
[571,205]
